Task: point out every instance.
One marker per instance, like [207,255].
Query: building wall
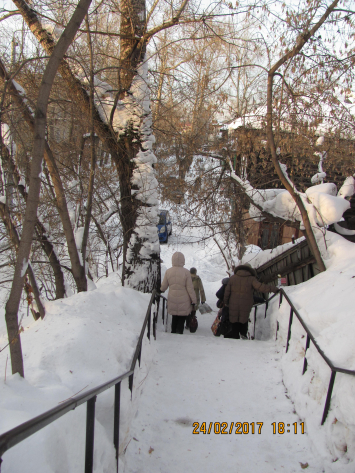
[268,235]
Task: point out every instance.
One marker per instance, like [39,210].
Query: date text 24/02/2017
[245,428]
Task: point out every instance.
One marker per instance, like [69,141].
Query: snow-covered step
[201,379]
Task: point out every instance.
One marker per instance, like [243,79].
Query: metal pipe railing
[18,434]
[310,338]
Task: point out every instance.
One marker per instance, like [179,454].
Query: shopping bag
[215,326]
[204,308]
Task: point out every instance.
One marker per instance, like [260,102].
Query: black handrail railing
[309,338]
[18,434]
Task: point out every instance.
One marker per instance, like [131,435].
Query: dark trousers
[238,328]
[177,324]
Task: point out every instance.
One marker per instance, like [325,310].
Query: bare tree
[35,184]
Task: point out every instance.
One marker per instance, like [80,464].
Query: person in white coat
[182,297]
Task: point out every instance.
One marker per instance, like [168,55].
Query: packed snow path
[200,378]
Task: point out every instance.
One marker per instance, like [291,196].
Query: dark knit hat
[193,270]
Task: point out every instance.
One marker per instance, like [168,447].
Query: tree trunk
[15,240]
[311,240]
[137,177]
[106,242]
[92,150]
[13,302]
[301,41]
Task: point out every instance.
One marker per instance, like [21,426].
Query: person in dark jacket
[220,293]
[238,296]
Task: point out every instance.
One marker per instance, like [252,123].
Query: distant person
[181,292]
[198,286]
[238,296]
[199,291]
[220,293]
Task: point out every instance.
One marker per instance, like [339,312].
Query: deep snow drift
[82,342]
[326,304]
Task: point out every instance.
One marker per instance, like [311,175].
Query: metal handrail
[310,338]
[21,432]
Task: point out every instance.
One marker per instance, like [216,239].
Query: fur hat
[245,267]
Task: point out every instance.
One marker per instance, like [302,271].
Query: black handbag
[193,323]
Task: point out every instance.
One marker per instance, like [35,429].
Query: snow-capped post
[23,255]
[302,39]
[321,175]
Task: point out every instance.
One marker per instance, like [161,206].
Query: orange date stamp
[227,428]
[240,428]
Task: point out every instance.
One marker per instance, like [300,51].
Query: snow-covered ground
[82,342]
[186,380]
[197,378]
[89,338]
[326,303]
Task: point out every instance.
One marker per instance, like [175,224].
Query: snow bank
[256,257]
[83,341]
[326,303]
[323,205]
[348,188]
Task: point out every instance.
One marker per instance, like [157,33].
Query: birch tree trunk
[138,184]
[35,185]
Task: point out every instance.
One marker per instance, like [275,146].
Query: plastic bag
[204,308]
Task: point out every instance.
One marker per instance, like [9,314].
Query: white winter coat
[181,290]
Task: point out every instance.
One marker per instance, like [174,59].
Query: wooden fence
[297,264]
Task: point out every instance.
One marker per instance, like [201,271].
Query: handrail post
[329,396]
[155,316]
[289,330]
[90,435]
[130,384]
[139,355]
[280,300]
[116,420]
[167,319]
[305,363]
[149,321]
[255,310]
[158,305]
